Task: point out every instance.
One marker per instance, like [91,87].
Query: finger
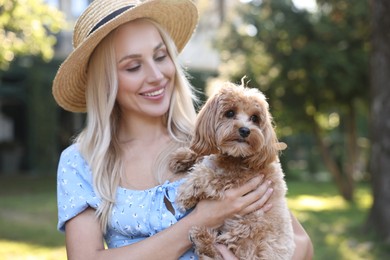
[251,185]
[255,207]
[266,207]
[262,189]
[260,192]
[261,202]
[225,252]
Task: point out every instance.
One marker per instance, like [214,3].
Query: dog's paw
[185,203]
[182,160]
[203,240]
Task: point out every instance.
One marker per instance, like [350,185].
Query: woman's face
[146,72]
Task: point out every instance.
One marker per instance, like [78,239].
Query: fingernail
[267,207]
[270,190]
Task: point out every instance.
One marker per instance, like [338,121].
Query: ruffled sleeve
[74,186]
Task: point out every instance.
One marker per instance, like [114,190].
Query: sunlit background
[309,57]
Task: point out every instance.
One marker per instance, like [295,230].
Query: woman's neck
[147,130]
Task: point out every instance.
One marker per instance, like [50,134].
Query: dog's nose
[244,131]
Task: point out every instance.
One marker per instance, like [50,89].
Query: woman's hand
[250,197]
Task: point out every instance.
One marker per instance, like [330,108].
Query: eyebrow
[132,56]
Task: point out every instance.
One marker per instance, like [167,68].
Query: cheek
[169,68]
[127,83]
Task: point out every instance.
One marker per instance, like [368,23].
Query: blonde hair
[98,141]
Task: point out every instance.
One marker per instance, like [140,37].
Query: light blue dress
[137,214]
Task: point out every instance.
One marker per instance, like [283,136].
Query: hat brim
[178,18]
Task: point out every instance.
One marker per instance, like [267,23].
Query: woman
[113,182]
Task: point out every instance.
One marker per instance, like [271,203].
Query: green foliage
[27,27]
[310,65]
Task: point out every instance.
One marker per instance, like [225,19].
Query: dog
[234,141]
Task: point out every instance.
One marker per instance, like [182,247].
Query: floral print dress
[137,214]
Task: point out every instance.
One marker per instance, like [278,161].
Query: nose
[154,73]
[244,131]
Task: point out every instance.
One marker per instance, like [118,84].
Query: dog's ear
[281,146]
[271,150]
[203,142]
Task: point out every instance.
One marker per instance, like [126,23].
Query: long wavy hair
[99,142]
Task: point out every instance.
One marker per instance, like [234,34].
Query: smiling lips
[154,93]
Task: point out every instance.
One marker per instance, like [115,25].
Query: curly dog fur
[234,141]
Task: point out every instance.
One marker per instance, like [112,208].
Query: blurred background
[323,64]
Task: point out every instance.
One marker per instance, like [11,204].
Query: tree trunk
[351,147]
[343,184]
[379,218]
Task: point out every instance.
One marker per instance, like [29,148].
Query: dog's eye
[255,119]
[230,114]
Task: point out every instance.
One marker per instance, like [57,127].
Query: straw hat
[178,17]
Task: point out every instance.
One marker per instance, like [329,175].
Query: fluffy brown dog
[234,141]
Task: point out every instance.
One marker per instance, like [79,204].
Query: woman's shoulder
[71,150]
[71,160]
[72,154]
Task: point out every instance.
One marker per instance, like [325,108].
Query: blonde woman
[114,184]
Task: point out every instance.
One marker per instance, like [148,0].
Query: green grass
[336,227]
[28,218]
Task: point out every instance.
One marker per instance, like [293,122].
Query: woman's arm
[84,239]
[303,245]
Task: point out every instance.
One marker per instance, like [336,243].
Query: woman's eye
[133,69]
[161,57]
[230,114]
[255,119]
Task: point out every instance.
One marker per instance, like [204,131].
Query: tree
[313,68]
[27,27]
[379,218]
